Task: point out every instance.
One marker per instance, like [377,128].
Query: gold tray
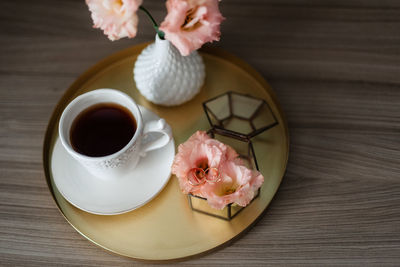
[166,228]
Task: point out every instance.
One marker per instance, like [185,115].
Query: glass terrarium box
[234,120]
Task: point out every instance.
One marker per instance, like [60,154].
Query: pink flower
[238,184]
[191,23]
[199,152]
[117,18]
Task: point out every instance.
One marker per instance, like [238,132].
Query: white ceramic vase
[165,77]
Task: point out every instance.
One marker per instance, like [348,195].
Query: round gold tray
[166,228]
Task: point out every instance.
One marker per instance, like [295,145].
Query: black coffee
[102,130]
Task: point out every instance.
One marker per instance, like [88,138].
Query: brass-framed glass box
[235,119]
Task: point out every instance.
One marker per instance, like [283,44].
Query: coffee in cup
[104,131]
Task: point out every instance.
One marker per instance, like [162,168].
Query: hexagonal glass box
[235,119]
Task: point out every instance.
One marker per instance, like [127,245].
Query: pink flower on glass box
[198,160]
[191,23]
[210,169]
[117,18]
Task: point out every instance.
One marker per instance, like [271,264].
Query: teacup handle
[156,126]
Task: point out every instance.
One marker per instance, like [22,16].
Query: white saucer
[110,197]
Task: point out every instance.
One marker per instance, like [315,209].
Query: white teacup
[121,162]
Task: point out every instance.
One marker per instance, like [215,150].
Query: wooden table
[335,66]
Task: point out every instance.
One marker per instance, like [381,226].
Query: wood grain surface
[335,66]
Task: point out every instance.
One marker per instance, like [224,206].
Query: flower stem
[161,34]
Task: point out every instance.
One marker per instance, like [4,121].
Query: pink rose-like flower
[238,184]
[191,23]
[117,18]
[199,152]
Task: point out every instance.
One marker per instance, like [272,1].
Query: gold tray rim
[127,52]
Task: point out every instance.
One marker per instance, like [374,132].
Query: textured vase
[165,77]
